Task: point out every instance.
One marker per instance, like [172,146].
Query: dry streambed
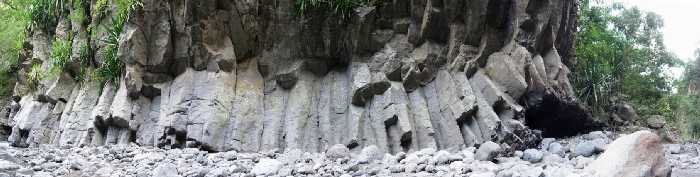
[572,157]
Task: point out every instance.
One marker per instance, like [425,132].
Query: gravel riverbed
[553,158]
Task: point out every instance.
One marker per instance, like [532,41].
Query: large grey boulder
[639,154]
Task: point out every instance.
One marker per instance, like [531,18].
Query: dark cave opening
[559,118]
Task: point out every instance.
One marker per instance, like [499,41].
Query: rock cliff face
[254,76]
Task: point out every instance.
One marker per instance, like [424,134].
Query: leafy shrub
[342,7]
[60,55]
[111,67]
[85,55]
[45,13]
[618,57]
[78,13]
[694,128]
[34,75]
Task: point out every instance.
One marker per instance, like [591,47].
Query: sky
[681,23]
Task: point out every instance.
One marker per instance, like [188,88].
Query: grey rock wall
[253,76]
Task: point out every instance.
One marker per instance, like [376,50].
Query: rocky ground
[554,158]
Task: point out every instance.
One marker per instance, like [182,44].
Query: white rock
[532,155]
[482,174]
[674,148]
[338,151]
[581,162]
[8,166]
[266,167]
[369,154]
[556,148]
[584,148]
[639,154]
[457,166]
[546,142]
[165,170]
[487,151]
[595,135]
[443,157]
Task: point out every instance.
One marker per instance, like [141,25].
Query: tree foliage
[111,67]
[15,16]
[621,54]
[687,99]
[620,51]
[22,16]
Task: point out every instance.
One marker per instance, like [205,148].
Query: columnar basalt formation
[255,76]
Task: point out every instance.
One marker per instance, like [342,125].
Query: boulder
[626,112]
[338,151]
[674,148]
[487,151]
[544,145]
[556,148]
[165,170]
[366,84]
[266,167]
[584,148]
[639,154]
[532,155]
[369,154]
[595,135]
[656,122]
[8,166]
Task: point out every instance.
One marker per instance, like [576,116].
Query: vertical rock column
[396,118]
[77,119]
[333,108]
[247,111]
[301,115]
[273,126]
